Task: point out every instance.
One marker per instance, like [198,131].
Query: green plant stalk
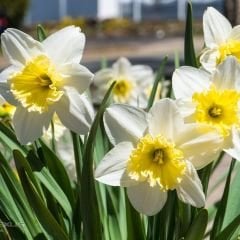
[77,148]
[158,79]
[89,204]
[53,137]
[218,221]
[189,52]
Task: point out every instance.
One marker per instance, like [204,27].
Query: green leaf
[48,181]
[41,33]
[134,224]
[159,78]
[228,231]
[9,138]
[198,227]
[58,171]
[22,163]
[233,203]
[41,211]
[217,225]
[189,52]
[17,193]
[89,204]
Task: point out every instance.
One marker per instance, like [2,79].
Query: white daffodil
[155,152]
[43,79]
[133,83]
[212,99]
[220,38]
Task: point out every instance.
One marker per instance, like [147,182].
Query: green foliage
[15,10]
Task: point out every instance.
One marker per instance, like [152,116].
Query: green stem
[77,156]
[53,137]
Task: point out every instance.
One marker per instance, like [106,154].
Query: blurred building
[45,10]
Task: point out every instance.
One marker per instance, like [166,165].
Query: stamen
[158,156]
[215,111]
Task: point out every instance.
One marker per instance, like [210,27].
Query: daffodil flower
[212,99]
[43,79]
[220,38]
[154,153]
[133,83]
[6,109]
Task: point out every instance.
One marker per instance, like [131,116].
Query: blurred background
[144,30]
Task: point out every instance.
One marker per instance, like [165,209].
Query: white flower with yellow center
[155,152]
[45,78]
[132,82]
[212,99]
[220,38]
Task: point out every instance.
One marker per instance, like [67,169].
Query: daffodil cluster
[161,150]
[154,151]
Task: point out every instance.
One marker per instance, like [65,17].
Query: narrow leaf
[41,211]
[89,204]
[217,225]
[41,33]
[198,227]
[189,52]
[228,231]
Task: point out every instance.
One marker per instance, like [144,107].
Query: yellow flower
[45,79]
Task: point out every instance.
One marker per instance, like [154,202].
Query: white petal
[145,199]
[75,112]
[142,75]
[66,45]
[227,74]
[4,86]
[111,169]
[200,144]
[235,34]
[124,123]
[208,59]
[187,108]
[165,119]
[19,47]
[101,82]
[103,77]
[190,189]
[234,149]
[188,80]
[29,126]
[76,76]
[216,27]
[122,66]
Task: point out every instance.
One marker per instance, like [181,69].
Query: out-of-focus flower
[43,79]
[155,152]
[220,38]
[212,99]
[132,83]
[6,109]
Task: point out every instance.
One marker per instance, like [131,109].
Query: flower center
[232,47]
[157,161]
[37,86]
[158,156]
[122,90]
[218,108]
[215,111]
